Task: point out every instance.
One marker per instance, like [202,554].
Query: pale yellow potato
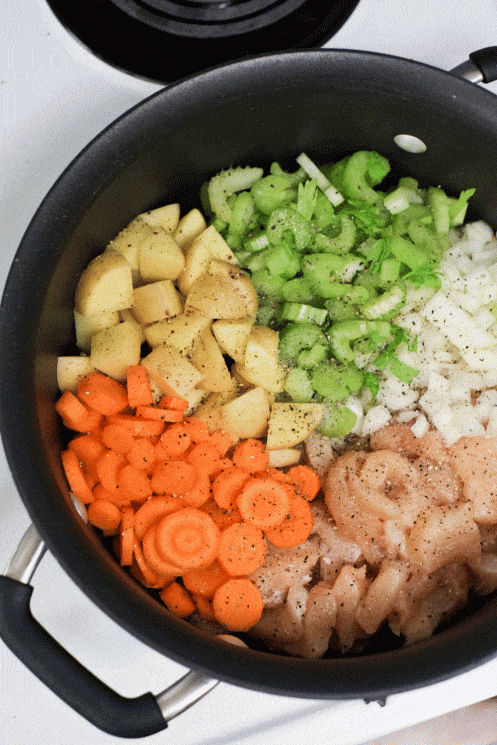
[189,227]
[127,315]
[205,247]
[291,423]
[172,372]
[228,296]
[261,365]
[210,410]
[160,257]
[128,242]
[105,286]
[156,301]
[180,332]
[283,457]
[114,349]
[194,399]
[165,217]
[247,415]
[208,359]
[232,336]
[71,371]
[86,326]
[242,284]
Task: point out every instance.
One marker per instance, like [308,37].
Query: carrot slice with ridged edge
[188,538]
[263,502]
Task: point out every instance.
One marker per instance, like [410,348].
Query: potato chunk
[232,336]
[292,423]
[247,415]
[261,365]
[205,247]
[105,286]
[160,257]
[189,227]
[172,372]
[156,301]
[114,349]
[208,360]
[71,371]
[165,217]
[86,326]
[128,243]
[180,332]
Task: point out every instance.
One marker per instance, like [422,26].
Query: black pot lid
[165,40]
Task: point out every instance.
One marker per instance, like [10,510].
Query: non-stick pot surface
[324,102]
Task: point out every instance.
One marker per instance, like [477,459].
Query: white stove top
[56,97]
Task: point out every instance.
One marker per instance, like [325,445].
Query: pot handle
[481,66]
[71,681]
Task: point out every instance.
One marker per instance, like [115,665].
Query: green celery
[272,192]
[288,220]
[302,312]
[298,385]
[224,184]
[297,336]
[309,358]
[297,290]
[337,421]
[363,170]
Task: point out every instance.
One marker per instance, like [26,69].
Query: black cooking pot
[328,104]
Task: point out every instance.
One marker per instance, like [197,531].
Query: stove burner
[165,40]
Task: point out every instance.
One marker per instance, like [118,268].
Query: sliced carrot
[118,438]
[104,515]
[138,427]
[227,486]
[305,480]
[153,510]
[273,473]
[87,448]
[154,559]
[173,442]
[175,477]
[134,481]
[76,415]
[188,538]
[108,465]
[116,496]
[238,604]
[222,518]
[201,492]
[197,429]
[221,440]
[296,526]
[147,576]
[251,455]
[178,600]
[138,387]
[103,394]
[206,580]
[161,415]
[76,477]
[263,502]
[242,548]
[205,457]
[142,454]
[173,402]
[204,607]
[127,535]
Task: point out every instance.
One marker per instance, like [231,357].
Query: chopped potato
[105,286]
[261,365]
[247,415]
[189,227]
[71,370]
[114,349]
[284,457]
[208,359]
[210,410]
[172,372]
[166,217]
[156,301]
[128,243]
[232,336]
[227,295]
[291,423]
[127,315]
[207,246]
[180,332]
[86,326]
[160,257]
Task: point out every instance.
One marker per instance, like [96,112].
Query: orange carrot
[147,576]
[296,526]
[273,473]
[87,448]
[173,442]
[173,402]
[118,438]
[206,580]
[200,493]
[108,465]
[222,518]
[227,486]
[75,476]
[127,535]
[138,427]
[142,454]
[178,600]
[221,440]
[242,548]
[305,481]
[175,477]
[161,415]
[104,515]
[102,393]
[205,457]
[238,604]
[75,414]
[135,482]
[138,387]
[116,496]
[153,510]
[204,607]
[197,429]
[263,502]
[153,557]
[251,455]
[188,538]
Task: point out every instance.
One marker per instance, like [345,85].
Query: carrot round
[104,515]
[263,502]
[154,559]
[227,486]
[102,393]
[141,454]
[76,477]
[116,496]
[200,493]
[188,538]
[127,535]
[135,482]
[205,457]
[75,414]
[251,455]
[296,526]
[206,580]
[305,481]
[242,548]
[118,438]
[178,600]
[238,604]
[204,608]
[139,427]
[87,448]
[174,441]
[162,415]
[108,465]
[153,510]
[175,477]
[222,518]
[138,387]
[197,429]
[148,576]
[173,402]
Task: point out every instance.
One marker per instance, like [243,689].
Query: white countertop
[56,97]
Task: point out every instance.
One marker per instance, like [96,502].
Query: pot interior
[327,103]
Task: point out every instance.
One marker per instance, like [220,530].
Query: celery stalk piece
[323,183]
[224,184]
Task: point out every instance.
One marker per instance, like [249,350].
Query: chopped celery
[302,312]
[283,261]
[307,198]
[272,192]
[323,183]
[337,421]
[242,212]
[328,381]
[266,284]
[309,358]
[297,336]
[288,220]
[385,306]
[224,184]
[363,170]
[297,290]
[257,241]
[298,385]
